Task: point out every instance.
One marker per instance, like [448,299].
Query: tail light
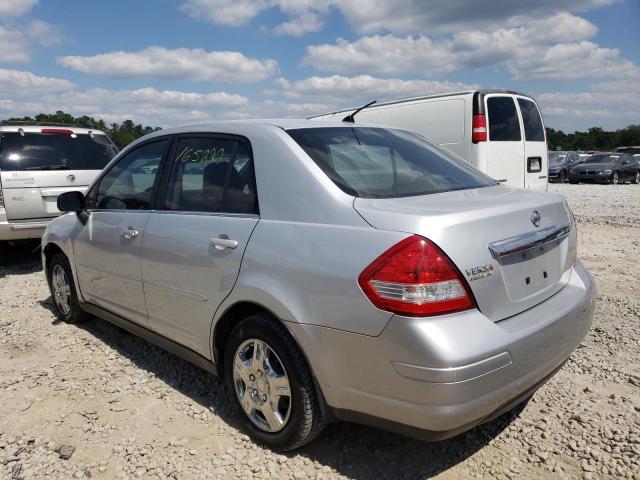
[479,129]
[415,278]
[59,131]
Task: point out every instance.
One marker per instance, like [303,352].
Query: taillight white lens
[415,278]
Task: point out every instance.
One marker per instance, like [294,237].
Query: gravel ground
[92,401]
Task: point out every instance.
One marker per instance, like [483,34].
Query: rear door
[107,248]
[535,145]
[194,243]
[505,143]
[36,167]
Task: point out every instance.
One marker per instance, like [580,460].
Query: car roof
[39,128]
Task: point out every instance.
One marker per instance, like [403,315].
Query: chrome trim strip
[528,241]
[27,226]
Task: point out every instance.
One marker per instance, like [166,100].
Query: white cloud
[555,47]
[18,42]
[15,8]
[195,65]
[298,26]
[611,105]
[22,84]
[341,92]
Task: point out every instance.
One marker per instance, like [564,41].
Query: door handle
[130,233]
[222,242]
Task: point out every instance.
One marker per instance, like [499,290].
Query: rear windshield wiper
[49,167]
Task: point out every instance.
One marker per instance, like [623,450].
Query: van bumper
[436,377]
[21,229]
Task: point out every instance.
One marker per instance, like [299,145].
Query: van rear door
[36,167]
[505,148]
[535,144]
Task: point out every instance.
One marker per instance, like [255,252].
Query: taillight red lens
[479,129]
[59,131]
[415,278]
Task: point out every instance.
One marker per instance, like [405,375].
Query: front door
[535,145]
[107,249]
[505,145]
[193,245]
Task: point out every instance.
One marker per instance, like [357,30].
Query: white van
[38,163]
[500,132]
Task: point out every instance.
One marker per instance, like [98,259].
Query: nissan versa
[327,271]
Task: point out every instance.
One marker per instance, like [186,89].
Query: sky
[170,62]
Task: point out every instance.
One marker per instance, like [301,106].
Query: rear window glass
[44,151]
[533,129]
[503,119]
[383,163]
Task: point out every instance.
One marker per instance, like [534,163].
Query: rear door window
[504,125]
[54,151]
[211,174]
[533,128]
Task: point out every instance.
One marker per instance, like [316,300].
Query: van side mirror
[71,202]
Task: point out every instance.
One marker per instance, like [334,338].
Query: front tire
[615,178]
[63,290]
[636,179]
[271,384]
[562,177]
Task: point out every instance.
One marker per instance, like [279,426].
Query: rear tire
[562,177]
[636,179]
[283,421]
[63,290]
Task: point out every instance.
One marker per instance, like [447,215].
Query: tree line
[122,134]
[593,139]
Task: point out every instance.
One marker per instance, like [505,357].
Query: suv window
[54,151]
[385,163]
[504,125]
[129,183]
[211,174]
[533,129]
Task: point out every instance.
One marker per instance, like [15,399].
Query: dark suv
[560,163]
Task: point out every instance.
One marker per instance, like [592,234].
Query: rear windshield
[504,125]
[603,159]
[54,151]
[533,129]
[381,163]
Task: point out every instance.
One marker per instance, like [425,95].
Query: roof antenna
[349,118]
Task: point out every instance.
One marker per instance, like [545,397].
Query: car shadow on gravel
[355,451]
[20,258]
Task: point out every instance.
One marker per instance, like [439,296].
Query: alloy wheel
[61,289]
[614,178]
[262,385]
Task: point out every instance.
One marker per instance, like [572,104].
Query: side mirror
[71,202]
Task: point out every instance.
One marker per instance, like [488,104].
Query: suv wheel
[561,177]
[271,384]
[636,179]
[63,290]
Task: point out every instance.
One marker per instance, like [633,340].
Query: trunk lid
[34,194]
[465,223]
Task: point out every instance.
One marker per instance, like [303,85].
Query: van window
[385,163]
[129,183]
[54,151]
[504,125]
[211,174]
[533,129]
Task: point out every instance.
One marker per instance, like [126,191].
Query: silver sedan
[327,271]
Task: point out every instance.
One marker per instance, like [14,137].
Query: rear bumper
[442,375]
[22,229]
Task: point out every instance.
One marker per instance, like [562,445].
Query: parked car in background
[633,150]
[559,164]
[606,168]
[327,271]
[38,163]
[500,132]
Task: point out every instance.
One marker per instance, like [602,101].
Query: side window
[533,129]
[211,174]
[504,125]
[129,183]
